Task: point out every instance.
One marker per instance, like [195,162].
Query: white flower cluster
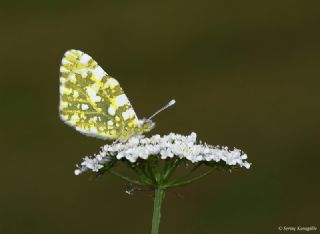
[93,163]
[168,146]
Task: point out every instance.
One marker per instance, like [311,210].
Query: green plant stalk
[131,181]
[159,181]
[177,183]
[169,170]
[158,198]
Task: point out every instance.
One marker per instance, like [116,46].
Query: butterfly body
[94,103]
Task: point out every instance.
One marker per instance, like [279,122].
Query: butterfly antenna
[172,102]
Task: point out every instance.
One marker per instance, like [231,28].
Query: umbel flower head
[155,159]
[173,148]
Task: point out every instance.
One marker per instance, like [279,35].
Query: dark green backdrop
[243,75]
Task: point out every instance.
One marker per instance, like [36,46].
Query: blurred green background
[244,74]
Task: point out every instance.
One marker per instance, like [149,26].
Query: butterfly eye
[148,125]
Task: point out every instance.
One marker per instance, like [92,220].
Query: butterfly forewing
[91,101]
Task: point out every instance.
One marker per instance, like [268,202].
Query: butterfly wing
[91,101]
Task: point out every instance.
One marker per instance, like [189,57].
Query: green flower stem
[154,169]
[139,170]
[170,169]
[142,175]
[158,197]
[195,167]
[136,182]
[179,182]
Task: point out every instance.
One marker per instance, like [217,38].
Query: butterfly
[93,102]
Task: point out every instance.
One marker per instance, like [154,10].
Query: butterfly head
[145,125]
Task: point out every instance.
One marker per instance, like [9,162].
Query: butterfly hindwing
[91,101]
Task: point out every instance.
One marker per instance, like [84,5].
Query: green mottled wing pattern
[91,101]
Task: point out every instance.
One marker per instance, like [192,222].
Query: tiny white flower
[247,165]
[77,172]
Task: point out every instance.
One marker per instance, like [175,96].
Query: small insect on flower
[94,103]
